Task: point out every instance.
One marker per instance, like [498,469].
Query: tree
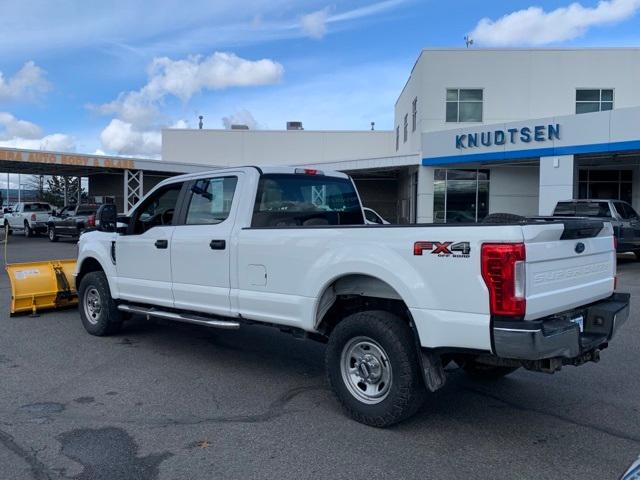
[54,193]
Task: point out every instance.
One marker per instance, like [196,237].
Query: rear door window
[210,200]
[624,210]
[290,200]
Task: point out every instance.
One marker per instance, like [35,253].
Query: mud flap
[432,370]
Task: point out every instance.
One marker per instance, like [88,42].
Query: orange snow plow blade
[43,285]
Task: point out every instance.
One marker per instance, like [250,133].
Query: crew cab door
[630,224]
[143,255]
[200,246]
[65,217]
[14,216]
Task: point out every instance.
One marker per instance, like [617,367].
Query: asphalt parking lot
[183,402]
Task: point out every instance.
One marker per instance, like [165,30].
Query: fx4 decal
[443,249]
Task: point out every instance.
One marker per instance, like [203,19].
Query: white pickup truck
[29,217]
[395,304]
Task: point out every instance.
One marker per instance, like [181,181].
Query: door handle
[217,244]
[162,243]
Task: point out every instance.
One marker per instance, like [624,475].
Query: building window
[464,105]
[406,127]
[397,138]
[414,114]
[605,184]
[593,100]
[460,196]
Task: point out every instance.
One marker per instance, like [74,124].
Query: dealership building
[477,131]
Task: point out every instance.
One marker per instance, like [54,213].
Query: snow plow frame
[42,285]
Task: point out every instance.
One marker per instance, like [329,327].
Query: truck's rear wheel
[98,311]
[373,368]
[482,371]
[7,228]
[27,230]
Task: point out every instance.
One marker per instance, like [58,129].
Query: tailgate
[568,264]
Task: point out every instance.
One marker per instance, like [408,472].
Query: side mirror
[54,213]
[106,217]
[8,210]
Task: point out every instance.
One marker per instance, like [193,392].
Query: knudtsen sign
[537,133]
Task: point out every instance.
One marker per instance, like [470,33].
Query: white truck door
[143,254]
[200,246]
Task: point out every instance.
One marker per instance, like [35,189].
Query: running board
[180,317]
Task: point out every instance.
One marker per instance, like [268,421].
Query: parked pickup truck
[29,217]
[71,221]
[623,218]
[289,248]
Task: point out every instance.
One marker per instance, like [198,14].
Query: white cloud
[14,128]
[241,117]
[15,133]
[136,128]
[28,83]
[125,139]
[534,26]
[315,24]
[185,78]
[173,29]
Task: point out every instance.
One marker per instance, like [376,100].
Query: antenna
[200,117]
[373,126]
[468,40]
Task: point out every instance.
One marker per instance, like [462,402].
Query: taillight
[33,217]
[503,271]
[91,221]
[309,171]
[615,263]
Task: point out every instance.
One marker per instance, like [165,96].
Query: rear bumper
[560,335]
[39,226]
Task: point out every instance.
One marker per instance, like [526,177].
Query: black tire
[7,229]
[405,390]
[503,218]
[53,237]
[108,320]
[27,230]
[481,371]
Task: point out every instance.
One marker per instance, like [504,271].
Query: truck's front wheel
[373,368]
[98,311]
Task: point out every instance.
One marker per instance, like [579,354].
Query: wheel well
[355,293]
[88,265]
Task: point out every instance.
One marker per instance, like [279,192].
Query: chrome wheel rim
[92,305]
[52,234]
[366,370]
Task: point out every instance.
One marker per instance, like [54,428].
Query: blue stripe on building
[533,153]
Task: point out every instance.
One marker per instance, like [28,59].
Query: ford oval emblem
[579,247]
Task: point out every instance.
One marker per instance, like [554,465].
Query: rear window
[582,209]
[36,207]
[565,209]
[286,200]
[87,210]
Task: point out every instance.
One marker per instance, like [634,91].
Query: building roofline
[506,49]
[273,130]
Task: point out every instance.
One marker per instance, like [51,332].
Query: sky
[105,77]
